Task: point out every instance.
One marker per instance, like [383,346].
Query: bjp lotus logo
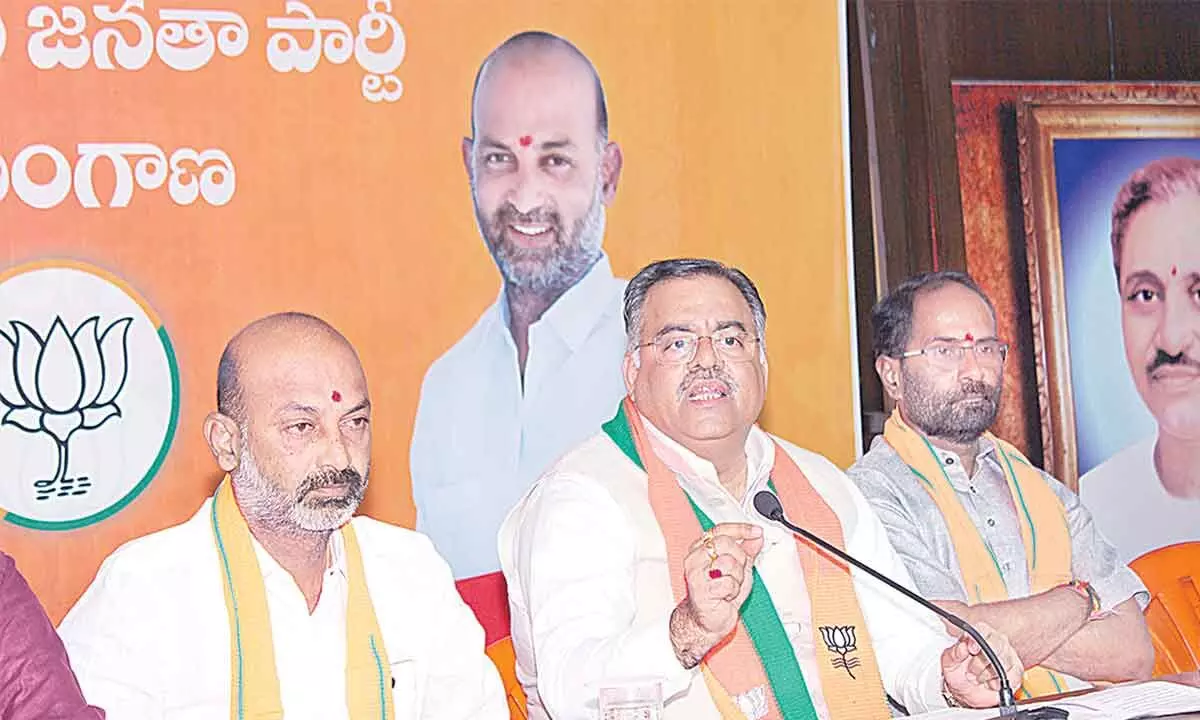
[89,395]
[66,382]
[840,639]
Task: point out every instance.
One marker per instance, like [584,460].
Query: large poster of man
[1139,451]
[1113,193]
[540,370]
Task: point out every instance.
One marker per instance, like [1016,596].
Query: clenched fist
[719,573]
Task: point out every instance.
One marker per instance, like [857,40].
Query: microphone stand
[769,507]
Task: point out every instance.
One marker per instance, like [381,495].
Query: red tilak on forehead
[1174,271]
[526,140]
[969,337]
[337,396]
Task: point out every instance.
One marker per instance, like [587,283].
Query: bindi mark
[526,140]
[336,396]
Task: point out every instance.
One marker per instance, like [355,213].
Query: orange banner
[176,169]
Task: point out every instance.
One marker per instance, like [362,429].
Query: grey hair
[1159,181]
[678,268]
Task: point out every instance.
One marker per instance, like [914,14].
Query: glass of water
[632,700]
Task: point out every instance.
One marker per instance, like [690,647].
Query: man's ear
[468,151]
[610,172]
[629,369]
[888,369]
[224,440]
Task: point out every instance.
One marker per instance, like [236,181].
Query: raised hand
[718,570]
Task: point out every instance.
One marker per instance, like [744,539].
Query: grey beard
[268,504]
[940,415]
[554,269]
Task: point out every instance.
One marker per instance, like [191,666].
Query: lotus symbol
[840,639]
[61,383]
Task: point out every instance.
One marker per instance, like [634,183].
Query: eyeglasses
[679,347]
[949,354]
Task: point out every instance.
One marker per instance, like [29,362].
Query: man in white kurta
[271,600]
[585,557]
[541,367]
[150,638]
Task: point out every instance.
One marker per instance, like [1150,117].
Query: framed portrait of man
[1110,191]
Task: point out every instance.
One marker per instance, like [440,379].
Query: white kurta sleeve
[109,634]
[574,558]
[461,682]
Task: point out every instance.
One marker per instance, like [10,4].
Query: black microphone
[768,506]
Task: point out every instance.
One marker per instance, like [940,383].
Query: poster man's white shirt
[482,437]
[1132,508]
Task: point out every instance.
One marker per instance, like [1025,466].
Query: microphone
[768,506]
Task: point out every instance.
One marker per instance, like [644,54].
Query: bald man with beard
[272,601]
[540,370]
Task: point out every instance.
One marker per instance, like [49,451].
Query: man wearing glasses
[984,533]
[638,557]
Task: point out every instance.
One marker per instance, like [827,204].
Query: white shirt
[591,595]
[149,639]
[1132,508]
[481,438]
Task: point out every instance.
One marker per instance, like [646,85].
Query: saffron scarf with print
[254,685]
[756,664]
[1040,514]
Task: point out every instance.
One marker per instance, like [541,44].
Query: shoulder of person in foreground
[36,681]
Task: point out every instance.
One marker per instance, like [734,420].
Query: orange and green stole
[758,653]
[254,686]
[1040,514]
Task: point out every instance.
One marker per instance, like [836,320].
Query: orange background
[729,115]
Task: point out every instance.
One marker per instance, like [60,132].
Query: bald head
[292,427]
[260,345]
[534,51]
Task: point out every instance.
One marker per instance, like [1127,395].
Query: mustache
[975,387]
[970,387]
[328,477]
[1163,358]
[507,214]
[709,373]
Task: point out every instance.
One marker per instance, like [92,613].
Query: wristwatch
[1085,589]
